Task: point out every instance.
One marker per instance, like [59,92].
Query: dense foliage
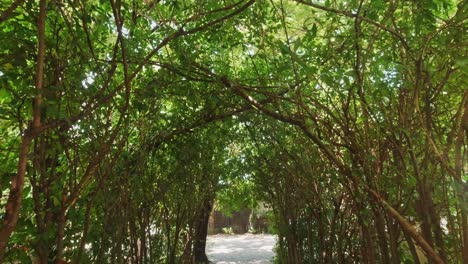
[122,120]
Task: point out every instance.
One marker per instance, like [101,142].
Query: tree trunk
[60,236]
[381,234]
[13,205]
[393,235]
[462,133]
[412,248]
[294,255]
[12,208]
[201,232]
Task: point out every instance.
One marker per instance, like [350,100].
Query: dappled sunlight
[247,248]
[131,130]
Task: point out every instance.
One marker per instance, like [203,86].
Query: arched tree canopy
[123,121]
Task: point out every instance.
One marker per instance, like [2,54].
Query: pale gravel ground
[241,249]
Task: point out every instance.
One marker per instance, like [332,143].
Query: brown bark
[12,208]
[462,133]
[333,235]
[438,234]
[13,205]
[408,228]
[7,13]
[343,234]
[381,233]
[294,255]
[40,187]
[422,207]
[180,216]
[393,234]
[344,170]
[85,231]
[201,232]
[412,249]
[60,236]
[321,234]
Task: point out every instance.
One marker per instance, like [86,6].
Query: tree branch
[363,18]
[7,13]
[12,208]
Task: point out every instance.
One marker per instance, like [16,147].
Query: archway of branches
[124,121]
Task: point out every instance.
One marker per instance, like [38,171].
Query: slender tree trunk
[367,249]
[462,134]
[13,205]
[40,187]
[393,235]
[294,253]
[12,208]
[331,242]
[412,249]
[422,207]
[342,233]
[60,235]
[83,239]
[408,228]
[201,233]
[437,230]
[321,236]
[381,233]
[293,250]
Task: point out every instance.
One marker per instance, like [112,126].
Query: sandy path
[241,249]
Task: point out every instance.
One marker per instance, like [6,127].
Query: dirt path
[241,249]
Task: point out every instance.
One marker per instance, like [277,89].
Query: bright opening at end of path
[241,249]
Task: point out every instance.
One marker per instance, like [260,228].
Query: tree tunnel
[124,122]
